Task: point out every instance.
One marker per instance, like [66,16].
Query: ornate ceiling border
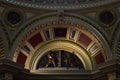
[80,5]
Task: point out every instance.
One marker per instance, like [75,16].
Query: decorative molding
[60,4]
[2,48]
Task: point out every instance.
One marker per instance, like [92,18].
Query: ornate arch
[71,22]
[62,45]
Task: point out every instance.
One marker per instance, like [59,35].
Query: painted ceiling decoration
[59,36]
[60,4]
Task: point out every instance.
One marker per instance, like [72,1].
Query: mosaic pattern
[60,58]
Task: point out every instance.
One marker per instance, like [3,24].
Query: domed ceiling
[60,4]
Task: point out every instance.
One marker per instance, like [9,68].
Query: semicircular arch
[78,21]
[63,45]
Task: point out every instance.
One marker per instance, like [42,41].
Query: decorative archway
[89,45]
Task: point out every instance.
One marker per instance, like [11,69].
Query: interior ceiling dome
[60,4]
